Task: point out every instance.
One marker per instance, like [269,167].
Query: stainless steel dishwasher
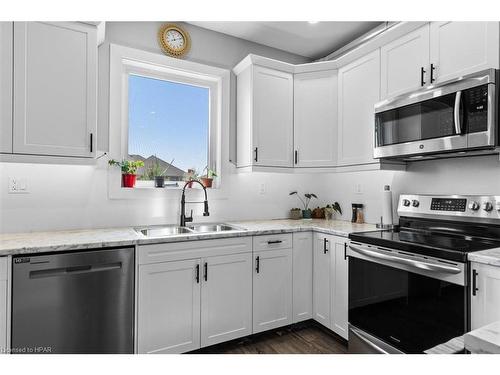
[75,302]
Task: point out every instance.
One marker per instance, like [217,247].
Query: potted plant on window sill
[129,171]
[208,179]
[306,212]
[191,176]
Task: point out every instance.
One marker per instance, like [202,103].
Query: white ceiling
[313,40]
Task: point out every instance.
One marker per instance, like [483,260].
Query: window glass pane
[167,121]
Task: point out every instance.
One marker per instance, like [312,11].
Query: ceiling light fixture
[312,22]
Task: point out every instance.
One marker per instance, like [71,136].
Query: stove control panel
[470,207]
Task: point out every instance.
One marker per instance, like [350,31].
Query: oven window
[408,311]
[425,120]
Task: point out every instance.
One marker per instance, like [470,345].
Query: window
[170,112]
[168,127]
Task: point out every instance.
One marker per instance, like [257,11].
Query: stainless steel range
[409,287]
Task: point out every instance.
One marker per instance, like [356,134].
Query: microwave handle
[456,112]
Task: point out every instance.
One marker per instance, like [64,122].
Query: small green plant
[307,198]
[127,166]
[335,207]
[210,173]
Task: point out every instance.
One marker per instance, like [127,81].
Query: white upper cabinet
[404,63]
[168,314]
[272,289]
[302,276]
[226,298]
[359,90]
[265,117]
[485,294]
[55,80]
[6,50]
[315,119]
[459,48]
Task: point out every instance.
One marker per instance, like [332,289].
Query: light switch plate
[18,185]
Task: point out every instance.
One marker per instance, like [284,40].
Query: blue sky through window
[169,120]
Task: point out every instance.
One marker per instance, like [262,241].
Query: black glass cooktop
[440,245]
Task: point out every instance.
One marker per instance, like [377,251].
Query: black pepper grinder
[355,208]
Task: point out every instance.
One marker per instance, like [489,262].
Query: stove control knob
[487,206]
[406,202]
[474,206]
[415,203]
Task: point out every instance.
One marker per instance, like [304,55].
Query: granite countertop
[491,257]
[39,242]
[485,340]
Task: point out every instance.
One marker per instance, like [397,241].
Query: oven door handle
[409,262]
[372,345]
[456,113]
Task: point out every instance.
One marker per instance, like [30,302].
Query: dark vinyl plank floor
[302,338]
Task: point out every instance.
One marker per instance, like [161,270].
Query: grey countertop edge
[490,257]
[158,240]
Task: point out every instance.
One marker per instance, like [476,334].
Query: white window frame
[125,61]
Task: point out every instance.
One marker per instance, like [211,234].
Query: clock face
[173,40]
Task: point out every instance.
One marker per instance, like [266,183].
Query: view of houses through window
[168,128]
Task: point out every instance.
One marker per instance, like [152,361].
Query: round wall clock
[174,41]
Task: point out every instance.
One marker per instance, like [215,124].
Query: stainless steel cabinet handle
[422,73]
[409,262]
[325,243]
[456,112]
[474,282]
[256,150]
[432,73]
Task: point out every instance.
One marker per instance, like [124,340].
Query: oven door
[401,302]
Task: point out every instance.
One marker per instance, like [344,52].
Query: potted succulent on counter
[208,179]
[306,212]
[330,210]
[296,213]
[129,170]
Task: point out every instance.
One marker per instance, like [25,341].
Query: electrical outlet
[262,189]
[358,189]
[18,185]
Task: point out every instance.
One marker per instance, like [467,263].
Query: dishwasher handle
[75,270]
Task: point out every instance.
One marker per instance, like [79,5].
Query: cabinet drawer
[272,242]
[167,252]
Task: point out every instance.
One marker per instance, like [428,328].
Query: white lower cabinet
[330,285]
[226,298]
[485,294]
[272,289]
[3,304]
[169,307]
[302,284]
[340,290]
[321,280]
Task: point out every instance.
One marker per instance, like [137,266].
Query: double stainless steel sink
[175,230]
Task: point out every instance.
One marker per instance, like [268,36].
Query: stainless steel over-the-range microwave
[445,119]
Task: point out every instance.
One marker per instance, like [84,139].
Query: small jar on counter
[357,213]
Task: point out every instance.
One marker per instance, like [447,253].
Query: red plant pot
[128,180]
[207,182]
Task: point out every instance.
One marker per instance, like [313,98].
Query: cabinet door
[168,314]
[6,38]
[226,298]
[272,289]
[359,90]
[3,305]
[322,280]
[485,301]
[315,119]
[459,48]
[55,80]
[272,117]
[340,288]
[302,276]
[402,62]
